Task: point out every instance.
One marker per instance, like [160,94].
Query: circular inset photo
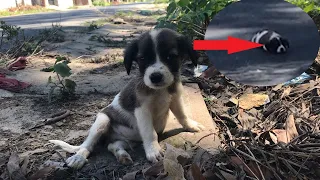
[289,36]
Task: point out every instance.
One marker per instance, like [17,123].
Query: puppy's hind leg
[99,127]
[118,149]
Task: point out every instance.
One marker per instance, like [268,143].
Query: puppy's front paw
[193,126]
[154,152]
[76,161]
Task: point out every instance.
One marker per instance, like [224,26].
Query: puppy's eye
[172,56]
[140,58]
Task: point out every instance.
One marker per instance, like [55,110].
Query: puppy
[272,41]
[139,112]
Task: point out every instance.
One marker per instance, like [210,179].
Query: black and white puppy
[272,41]
[139,112]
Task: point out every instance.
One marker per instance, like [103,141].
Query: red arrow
[232,45]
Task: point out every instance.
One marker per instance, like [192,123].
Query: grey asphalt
[67,18]
[255,67]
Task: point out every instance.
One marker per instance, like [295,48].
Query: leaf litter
[267,133]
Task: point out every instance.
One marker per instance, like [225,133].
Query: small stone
[47,127]
[59,124]
[119,21]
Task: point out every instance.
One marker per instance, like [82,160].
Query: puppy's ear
[130,55]
[272,46]
[186,48]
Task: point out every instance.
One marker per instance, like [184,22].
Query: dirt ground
[92,62]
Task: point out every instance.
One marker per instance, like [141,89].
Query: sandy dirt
[98,71]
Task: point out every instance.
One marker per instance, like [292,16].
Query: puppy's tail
[65,146]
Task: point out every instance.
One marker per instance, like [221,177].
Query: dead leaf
[196,172]
[286,135]
[50,163]
[248,101]
[154,170]
[174,169]
[268,138]
[36,151]
[228,176]
[248,90]
[171,164]
[24,166]
[234,101]
[277,87]
[14,168]
[246,120]
[131,175]
[251,168]
[291,127]
[313,118]
[42,173]
[286,92]
[305,111]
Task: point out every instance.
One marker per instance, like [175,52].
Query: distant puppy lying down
[272,41]
[140,111]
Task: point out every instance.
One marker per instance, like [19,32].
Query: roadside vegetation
[24,10]
[15,44]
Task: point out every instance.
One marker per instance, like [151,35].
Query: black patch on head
[273,45]
[146,53]
[186,47]
[171,47]
[130,54]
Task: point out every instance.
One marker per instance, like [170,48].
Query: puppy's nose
[156,77]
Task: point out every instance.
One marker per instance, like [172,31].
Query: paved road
[68,18]
[254,67]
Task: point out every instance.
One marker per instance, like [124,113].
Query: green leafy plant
[191,17]
[100,3]
[93,26]
[14,42]
[62,70]
[54,34]
[9,33]
[309,6]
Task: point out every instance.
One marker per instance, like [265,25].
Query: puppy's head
[277,45]
[159,54]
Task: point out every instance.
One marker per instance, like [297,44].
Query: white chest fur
[159,106]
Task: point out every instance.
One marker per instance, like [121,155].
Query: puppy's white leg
[177,108]
[118,149]
[99,127]
[148,134]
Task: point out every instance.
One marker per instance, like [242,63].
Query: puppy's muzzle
[156,78]
[281,49]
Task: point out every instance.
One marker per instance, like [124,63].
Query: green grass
[98,23]
[161,1]
[124,14]
[24,10]
[100,3]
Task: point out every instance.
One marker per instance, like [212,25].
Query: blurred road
[68,18]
